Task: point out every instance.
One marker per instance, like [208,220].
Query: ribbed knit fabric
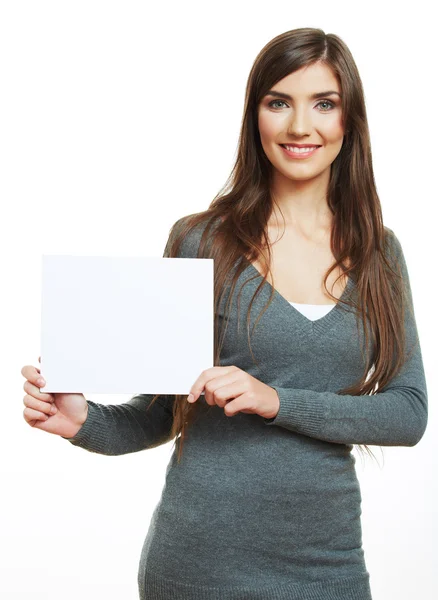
[268,509]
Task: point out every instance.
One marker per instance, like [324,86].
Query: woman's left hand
[236,391]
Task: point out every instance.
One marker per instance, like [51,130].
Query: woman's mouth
[299,152]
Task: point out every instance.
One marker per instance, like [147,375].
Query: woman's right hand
[62,414]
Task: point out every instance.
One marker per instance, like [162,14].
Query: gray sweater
[264,509]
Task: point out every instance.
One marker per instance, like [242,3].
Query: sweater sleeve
[130,427]
[124,428]
[396,415]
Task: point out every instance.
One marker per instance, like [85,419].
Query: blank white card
[125,325]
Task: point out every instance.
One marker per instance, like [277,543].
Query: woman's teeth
[299,150]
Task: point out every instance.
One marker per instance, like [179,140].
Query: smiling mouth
[311,147]
[299,154]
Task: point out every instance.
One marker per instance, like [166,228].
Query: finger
[208,375]
[34,415]
[221,389]
[37,379]
[39,405]
[33,390]
[39,358]
[32,374]
[239,404]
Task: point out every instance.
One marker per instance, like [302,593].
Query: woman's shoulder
[390,237]
[190,227]
[392,244]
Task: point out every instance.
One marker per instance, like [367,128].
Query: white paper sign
[125,325]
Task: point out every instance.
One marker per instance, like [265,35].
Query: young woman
[316,350]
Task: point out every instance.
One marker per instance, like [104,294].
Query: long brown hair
[234,225]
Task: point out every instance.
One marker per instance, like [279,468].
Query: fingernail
[190,398]
[41,381]
[53,410]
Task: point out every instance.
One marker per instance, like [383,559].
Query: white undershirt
[313,311]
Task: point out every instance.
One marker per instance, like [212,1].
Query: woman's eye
[274,102]
[331,104]
[327,102]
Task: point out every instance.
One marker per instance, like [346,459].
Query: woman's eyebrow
[312,96]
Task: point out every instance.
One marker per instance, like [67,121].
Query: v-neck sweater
[268,509]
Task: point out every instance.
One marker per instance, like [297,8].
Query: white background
[118,118]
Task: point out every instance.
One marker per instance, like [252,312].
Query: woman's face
[302,119]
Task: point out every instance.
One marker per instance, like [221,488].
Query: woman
[266,504]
